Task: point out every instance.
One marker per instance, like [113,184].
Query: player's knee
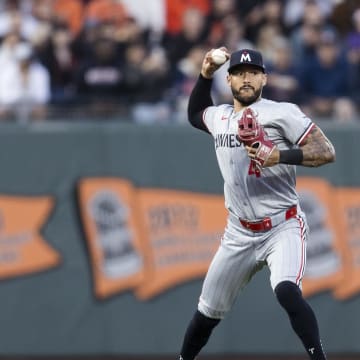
[288,294]
[209,312]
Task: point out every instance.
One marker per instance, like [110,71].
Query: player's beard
[247,99]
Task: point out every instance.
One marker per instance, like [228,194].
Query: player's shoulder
[219,110]
[224,107]
[279,107]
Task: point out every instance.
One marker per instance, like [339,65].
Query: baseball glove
[252,133]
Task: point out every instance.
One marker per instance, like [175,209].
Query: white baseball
[218,56]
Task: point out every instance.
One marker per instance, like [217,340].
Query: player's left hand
[270,157]
[253,135]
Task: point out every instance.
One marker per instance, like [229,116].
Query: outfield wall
[55,300]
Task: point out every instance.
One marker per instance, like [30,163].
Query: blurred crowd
[139,59]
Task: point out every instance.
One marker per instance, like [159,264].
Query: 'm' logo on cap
[245,57]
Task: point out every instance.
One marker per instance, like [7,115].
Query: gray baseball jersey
[253,196]
[249,196]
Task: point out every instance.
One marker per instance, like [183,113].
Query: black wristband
[292,157]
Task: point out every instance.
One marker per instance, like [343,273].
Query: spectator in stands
[24,87]
[267,35]
[104,11]
[282,80]
[271,17]
[252,14]
[306,36]
[13,18]
[43,14]
[352,42]
[217,25]
[83,43]
[352,39]
[42,10]
[8,48]
[146,73]
[175,11]
[65,35]
[150,16]
[127,33]
[325,81]
[185,77]
[273,13]
[99,77]
[234,34]
[295,11]
[69,12]
[57,56]
[193,33]
[145,81]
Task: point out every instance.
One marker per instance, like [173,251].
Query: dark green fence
[55,312]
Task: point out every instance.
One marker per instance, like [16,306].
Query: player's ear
[228,78]
[264,81]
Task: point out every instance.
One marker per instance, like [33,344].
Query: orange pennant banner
[114,236]
[149,240]
[22,248]
[348,206]
[184,230]
[324,250]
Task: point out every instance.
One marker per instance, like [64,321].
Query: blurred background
[111,204]
[136,60]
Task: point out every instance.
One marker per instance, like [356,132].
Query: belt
[270,221]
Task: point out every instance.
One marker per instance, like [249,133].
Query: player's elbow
[326,158]
[330,155]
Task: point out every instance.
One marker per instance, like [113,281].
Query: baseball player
[258,144]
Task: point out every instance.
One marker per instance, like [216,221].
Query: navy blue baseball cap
[246,57]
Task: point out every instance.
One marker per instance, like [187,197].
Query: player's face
[246,83]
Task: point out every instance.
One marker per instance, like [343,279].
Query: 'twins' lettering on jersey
[227,140]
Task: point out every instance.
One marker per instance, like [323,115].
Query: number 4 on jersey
[254,169]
